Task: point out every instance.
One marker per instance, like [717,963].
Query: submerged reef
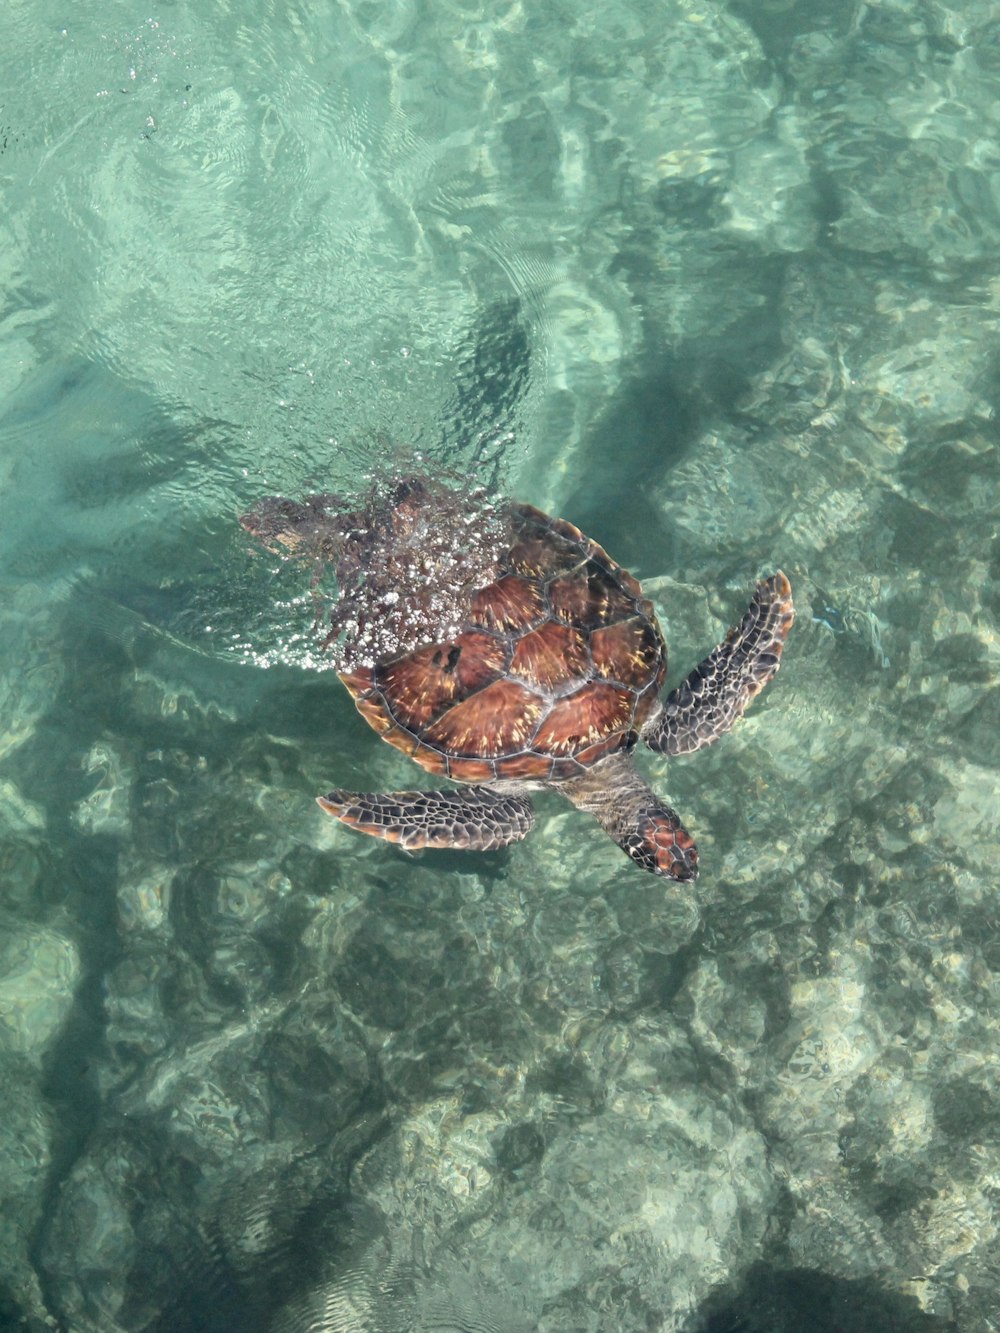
[721,289]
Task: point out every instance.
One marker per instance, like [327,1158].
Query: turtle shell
[559,663]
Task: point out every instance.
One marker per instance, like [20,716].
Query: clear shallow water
[719,286]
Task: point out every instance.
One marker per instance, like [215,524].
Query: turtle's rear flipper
[717,692]
[471,818]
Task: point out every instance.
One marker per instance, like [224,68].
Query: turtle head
[659,843]
[634,817]
[312,527]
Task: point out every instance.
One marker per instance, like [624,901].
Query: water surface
[717,283]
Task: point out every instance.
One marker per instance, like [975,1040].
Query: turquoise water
[719,284]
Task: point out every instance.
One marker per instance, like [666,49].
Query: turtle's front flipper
[471,818]
[718,690]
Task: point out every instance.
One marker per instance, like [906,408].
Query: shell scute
[627,651]
[543,547]
[404,740]
[531,766]
[585,718]
[511,603]
[358,682]
[589,596]
[551,656]
[499,719]
[422,684]
[375,713]
[619,740]
[472,770]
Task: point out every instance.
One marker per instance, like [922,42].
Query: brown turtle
[503,649]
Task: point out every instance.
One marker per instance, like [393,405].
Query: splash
[407,559]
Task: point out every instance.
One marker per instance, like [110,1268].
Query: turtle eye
[454,653]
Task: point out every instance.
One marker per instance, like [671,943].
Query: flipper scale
[473,818]
[716,693]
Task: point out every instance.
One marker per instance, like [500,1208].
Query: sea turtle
[503,649]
